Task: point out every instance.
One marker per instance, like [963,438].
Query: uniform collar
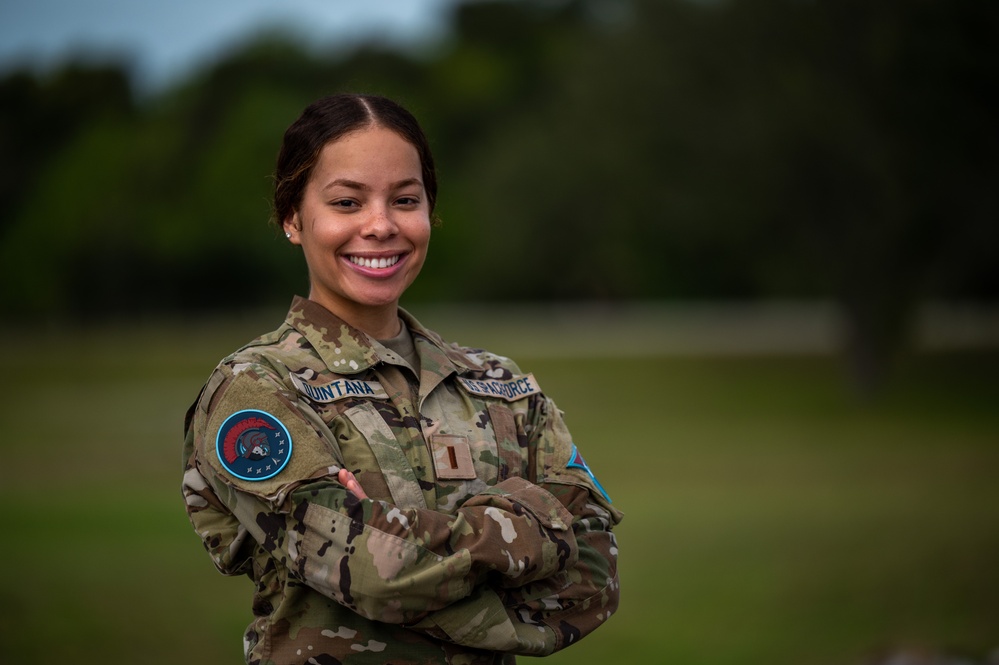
[347,350]
[437,351]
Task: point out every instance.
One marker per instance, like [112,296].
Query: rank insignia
[576,461]
[253,445]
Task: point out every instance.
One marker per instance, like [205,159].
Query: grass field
[770,518]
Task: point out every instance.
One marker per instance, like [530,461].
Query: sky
[165,39]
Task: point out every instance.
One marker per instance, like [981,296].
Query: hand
[347,479]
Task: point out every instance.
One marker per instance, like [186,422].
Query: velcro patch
[339,389]
[511,390]
[576,461]
[452,457]
[253,445]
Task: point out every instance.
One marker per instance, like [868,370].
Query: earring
[287,235]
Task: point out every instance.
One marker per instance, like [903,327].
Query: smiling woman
[394,498]
[364,226]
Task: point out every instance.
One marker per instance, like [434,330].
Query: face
[364,226]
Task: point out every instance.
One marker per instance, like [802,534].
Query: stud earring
[287,235]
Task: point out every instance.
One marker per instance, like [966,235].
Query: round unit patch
[253,445]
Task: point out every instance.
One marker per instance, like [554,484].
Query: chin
[378,300]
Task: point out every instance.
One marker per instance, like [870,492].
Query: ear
[292,226]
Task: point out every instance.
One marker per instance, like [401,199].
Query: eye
[344,203]
[408,201]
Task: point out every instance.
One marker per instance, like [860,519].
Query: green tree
[764,148]
[40,114]
[587,149]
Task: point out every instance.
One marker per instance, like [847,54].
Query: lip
[380,273]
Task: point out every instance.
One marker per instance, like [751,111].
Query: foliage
[587,149]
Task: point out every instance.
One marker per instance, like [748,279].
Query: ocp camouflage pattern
[478,542]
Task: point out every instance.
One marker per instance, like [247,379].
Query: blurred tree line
[588,149]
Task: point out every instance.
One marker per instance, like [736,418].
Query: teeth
[374,263]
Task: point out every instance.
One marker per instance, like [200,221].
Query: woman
[395,499]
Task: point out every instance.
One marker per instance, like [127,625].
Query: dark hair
[329,119]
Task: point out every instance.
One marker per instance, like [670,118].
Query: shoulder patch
[576,461]
[511,390]
[253,445]
[339,389]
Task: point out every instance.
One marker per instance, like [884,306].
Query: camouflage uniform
[484,535]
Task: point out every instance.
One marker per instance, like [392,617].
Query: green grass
[770,518]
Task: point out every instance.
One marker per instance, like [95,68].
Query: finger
[348,480]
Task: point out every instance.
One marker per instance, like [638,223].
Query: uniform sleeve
[544,615]
[383,562]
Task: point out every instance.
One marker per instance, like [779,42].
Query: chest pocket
[474,443]
[396,467]
[512,456]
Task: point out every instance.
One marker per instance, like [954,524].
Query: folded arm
[544,615]
[386,563]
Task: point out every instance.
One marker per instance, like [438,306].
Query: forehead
[372,150]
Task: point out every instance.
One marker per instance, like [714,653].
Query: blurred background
[751,247]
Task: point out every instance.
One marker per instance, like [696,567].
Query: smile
[384,262]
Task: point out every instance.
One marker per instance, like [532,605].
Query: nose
[379,224]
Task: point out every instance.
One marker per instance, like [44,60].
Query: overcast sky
[164,39]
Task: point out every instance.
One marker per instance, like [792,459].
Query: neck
[386,330]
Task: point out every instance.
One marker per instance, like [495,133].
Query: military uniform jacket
[484,535]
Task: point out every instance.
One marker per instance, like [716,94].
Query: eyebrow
[360,186]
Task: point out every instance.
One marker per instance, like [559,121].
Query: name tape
[340,389]
[511,390]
